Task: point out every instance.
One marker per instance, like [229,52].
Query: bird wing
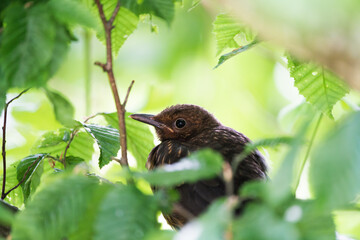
[194,197]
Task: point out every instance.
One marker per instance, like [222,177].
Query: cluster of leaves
[35,35]
[62,204]
[80,207]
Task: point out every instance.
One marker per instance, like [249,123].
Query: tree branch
[3,195]
[108,68]
[128,92]
[116,10]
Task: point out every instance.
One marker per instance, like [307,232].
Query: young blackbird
[183,129]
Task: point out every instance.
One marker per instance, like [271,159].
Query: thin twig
[72,136]
[308,152]
[108,68]
[116,10]
[128,92]
[24,177]
[4,141]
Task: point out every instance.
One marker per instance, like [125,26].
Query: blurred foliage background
[171,64]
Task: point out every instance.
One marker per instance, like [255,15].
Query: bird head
[180,122]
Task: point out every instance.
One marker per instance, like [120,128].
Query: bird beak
[149,119]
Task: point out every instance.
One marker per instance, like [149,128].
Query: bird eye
[180,123]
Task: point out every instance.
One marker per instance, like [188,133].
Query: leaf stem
[308,152]
[108,68]
[3,195]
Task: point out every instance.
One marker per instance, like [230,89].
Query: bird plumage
[183,129]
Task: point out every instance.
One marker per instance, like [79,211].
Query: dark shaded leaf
[127,214]
[58,211]
[140,140]
[72,161]
[30,169]
[6,215]
[335,165]
[199,165]
[164,9]
[27,44]
[108,140]
[72,12]
[64,111]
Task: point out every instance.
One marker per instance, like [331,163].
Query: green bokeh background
[251,92]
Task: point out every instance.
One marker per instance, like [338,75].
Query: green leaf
[61,47]
[82,146]
[27,44]
[335,165]
[160,235]
[212,225]
[29,171]
[319,86]
[311,223]
[283,181]
[108,140]
[199,165]
[227,31]
[140,141]
[6,215]
[164,9]
[54,143]
[235,52]
[266,142]
[59,210]
[124,25]
[15,197]
[64,111]
[127,214]
[272,226]
[3,88]
[72,12]
[348,223]
[161,8]
[51,139]
[72,161]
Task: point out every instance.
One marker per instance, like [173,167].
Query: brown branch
[4,141]
[24,177]
[72,136]
[128,92]
[116,10]
[108,68]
